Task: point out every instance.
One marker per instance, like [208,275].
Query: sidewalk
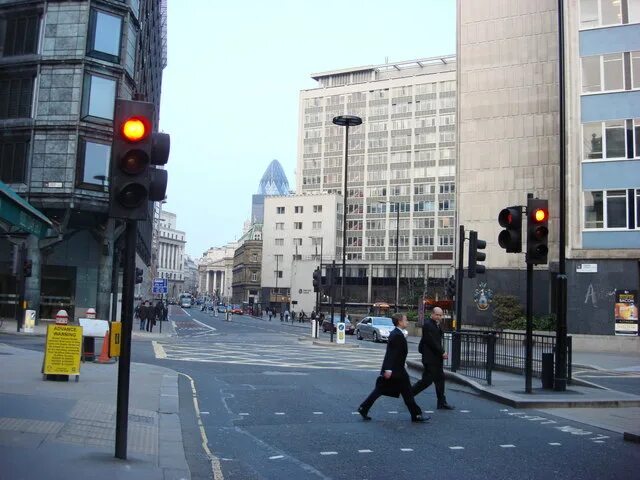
[62,430]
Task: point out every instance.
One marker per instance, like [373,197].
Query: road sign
[341,333]
[160,285]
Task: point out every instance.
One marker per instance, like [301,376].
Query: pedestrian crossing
[301,355]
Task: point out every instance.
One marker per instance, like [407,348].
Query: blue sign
[160,285]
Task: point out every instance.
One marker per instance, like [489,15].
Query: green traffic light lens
[132,195]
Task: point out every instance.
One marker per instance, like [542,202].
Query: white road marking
[504,409]
[456,448]
[536,419]
[279,413]
[158,350]
[244,414]
[318,413]
[275,457]
[428,411]
[508,446]
[204,325]
[393,411]
[328,453]
[365,451]
[548,422]
[406,449]
[187,313]
[355,413]
[599,437]
[598,441]
[204,413]
[555,444]
[464,411]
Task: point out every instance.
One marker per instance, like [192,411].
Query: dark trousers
[431,375]
[407,396]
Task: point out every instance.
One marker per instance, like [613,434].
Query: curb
[631,437]
[336,345]
[515,402]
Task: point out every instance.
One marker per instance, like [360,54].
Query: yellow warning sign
[115,338]
[62,350]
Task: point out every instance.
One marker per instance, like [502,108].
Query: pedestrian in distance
[287,315]
[301,317]
[394,379]
[137,313]
[433,357]
[151,316]
[270,313]
[282,316]
[159,310]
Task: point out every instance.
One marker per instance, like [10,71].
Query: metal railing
[476,353]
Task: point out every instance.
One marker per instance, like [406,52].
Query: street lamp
[397,204]
[345,121]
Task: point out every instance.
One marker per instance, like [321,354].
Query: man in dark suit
[394,379]
[433,356]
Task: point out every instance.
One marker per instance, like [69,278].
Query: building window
[279,258]
[13,159]
[19,34]
[278,273]
[279,242]
[603,73]
[317,209]
[606,209]
[638,209]
[280,226]
[596,13]
[297,242]
[280,210]
[254,257]
[98,97]
[104,36]
[298,209]
[614,134]
[317,225]
[16,96]
[254,277]
[297,257]
[635,67]
[297,225]
[93,163]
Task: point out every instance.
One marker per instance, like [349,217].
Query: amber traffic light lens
[134,129]
[134,162]
[540,215]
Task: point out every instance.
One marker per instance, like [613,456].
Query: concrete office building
[401,157]
[63,65]
[509,144]
[297,229]
[171,255]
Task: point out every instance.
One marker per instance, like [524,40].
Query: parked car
[348,326]
[236,311]
[375,328]
[222,308]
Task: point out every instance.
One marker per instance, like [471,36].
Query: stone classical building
[215,271]
[247,263]
[171,255]
[508,133]
[62,66]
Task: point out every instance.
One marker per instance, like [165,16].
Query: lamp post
[345,121]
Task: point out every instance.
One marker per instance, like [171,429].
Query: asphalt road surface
[275,406]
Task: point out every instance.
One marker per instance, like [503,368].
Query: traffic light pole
[528,365]
[128,279]
[460,278]
[332,289]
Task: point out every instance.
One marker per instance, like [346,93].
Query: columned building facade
[215,270]
[171,254]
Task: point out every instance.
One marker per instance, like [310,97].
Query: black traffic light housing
[451,286]
[133,179]
[139,273]
[537,231]
[474,255]
[510,238]
[317,279]
[27,268]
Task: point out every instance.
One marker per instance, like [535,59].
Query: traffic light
[510,238]
[537,231]
[139,273]
[474,255]
[26,268]
[451,287]
[133,179]
[317,279]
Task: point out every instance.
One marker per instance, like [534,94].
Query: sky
[230,91]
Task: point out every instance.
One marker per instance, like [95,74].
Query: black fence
[477,353]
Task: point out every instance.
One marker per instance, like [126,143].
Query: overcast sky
[230,90]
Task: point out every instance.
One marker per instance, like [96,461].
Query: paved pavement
[68,428]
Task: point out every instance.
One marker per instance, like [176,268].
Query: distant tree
[505,309]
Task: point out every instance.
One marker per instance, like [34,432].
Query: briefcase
[388,387]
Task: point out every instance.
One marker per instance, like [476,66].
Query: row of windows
[612,209]
[336,145]
[299,209]
[598,13]
[616,139]
[298,225]
[608,73]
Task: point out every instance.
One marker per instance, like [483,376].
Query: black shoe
[446,406]
[420,419]
[364,413]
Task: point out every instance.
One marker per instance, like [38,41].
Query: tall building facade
[401,161]
[509,144]
[171,256]
[62,66]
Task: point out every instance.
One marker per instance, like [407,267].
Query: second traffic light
[133,179]
[537,231]
[474,255]
[451,287]
[510,238]
[317,279]
[139,274]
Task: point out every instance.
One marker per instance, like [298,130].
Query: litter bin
[547,371]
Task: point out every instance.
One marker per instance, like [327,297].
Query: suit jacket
[431,344]
[394,359]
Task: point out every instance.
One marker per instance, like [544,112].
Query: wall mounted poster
[626,312]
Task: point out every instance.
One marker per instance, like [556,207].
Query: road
[274,406]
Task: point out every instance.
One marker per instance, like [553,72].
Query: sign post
[161,287]
[341,333]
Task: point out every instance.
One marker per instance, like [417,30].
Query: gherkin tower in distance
[273,182]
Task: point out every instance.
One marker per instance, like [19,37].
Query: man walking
[394,379]
[433,356]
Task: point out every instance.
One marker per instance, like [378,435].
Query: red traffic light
[135,129]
